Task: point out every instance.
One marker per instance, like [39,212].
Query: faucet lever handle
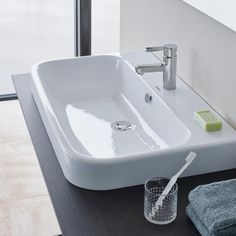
[154,49]
[169,50]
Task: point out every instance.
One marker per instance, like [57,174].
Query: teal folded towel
[212,208]
[203,230]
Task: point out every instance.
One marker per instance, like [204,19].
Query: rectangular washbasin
[107,125]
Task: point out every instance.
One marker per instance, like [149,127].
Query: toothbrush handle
[182,169]
[166,191]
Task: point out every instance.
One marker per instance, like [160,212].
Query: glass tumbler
[168,211]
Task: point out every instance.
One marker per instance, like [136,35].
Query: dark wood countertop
[105,213]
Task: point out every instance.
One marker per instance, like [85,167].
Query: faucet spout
[149,68]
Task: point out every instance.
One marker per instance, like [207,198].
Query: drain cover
[122,125]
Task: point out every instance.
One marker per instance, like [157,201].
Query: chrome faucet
[168,66]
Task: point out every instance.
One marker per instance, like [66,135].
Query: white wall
[206,48]
[221,10]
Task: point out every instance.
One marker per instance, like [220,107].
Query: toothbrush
[191,156]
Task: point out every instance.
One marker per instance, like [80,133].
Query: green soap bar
[207,120]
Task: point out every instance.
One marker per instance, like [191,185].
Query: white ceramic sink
[104,133]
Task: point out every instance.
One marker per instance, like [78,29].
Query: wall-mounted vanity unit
[221,10]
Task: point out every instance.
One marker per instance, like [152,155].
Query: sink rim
[92,173]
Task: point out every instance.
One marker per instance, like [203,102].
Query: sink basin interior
[98,103]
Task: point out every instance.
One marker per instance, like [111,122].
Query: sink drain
[122,125]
